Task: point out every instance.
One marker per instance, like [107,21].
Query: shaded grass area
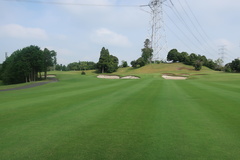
[82,117]
[21,85]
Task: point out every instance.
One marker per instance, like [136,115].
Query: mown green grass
[82,117]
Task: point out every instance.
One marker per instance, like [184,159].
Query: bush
[83,73]
[198,65]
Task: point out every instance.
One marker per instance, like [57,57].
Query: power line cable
[200,26]
[182,20]
[189,39]
[197,20]
[67,3]
[190,19]
[196,28]
[178,37]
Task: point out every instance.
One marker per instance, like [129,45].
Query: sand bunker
[174,77]
[51,76]
[130,77]
[117,77]
[108,77]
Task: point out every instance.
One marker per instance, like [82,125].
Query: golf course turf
[83,117]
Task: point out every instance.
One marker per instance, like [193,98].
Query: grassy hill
[159,68]
[83,117]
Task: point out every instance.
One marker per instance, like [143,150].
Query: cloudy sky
[78,29]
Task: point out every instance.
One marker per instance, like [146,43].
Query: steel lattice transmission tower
[157,33]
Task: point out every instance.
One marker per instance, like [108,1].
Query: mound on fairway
[163,68]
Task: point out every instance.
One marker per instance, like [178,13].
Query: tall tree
[49,59]
[103,60]
[147,52]
[107,63]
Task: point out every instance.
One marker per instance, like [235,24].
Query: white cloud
[224,42]
[18,31]
[107,37]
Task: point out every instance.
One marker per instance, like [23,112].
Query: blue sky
[77,33]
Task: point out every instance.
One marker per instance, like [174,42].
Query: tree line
[77,66]
[199,60]
[27,64]
[107,64]
[193,59]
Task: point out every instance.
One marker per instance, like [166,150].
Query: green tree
[58,67]
[33,57]
[210,64]
[228,68]
[1,71]
[140,62]
[235,65]
[192,58]
[147,43]
[134,64]
[85,65]
[147,52]
[198,65]
[49,60]
[64,68]
[124,64]
[24,65]
[107,63]
[73,66]
[183,57]
[112,64]
[102,64]
[173,55]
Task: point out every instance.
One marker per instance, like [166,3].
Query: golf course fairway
[83,117]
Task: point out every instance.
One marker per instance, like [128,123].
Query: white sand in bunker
[51,76]
[117,77]
[174,77]
[130,77]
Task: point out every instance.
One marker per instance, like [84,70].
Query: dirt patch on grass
[182,68]
[117,77]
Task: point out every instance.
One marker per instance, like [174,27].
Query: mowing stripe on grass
[150,118]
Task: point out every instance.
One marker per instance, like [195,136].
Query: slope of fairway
[177,69]
[83,117]
[163,67]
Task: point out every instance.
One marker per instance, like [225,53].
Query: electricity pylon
[157,33]
[222,52]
